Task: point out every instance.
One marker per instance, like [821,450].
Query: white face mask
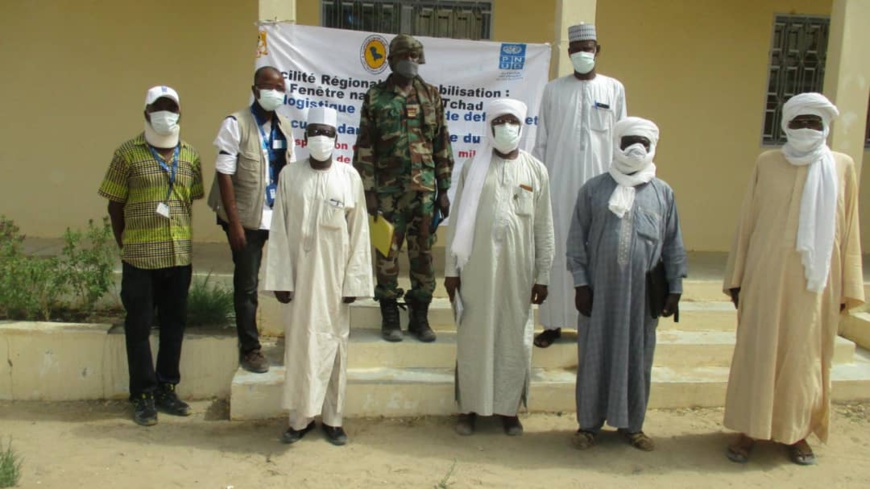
[321,147]
[805,140]
[164,122]
[634,158]
[583,62]
[506,137]
[271,99]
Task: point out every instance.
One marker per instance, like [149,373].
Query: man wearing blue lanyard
[151,185]
[253,146]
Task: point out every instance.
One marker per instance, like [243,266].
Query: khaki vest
[248,181]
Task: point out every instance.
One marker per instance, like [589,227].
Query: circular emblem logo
[373,54]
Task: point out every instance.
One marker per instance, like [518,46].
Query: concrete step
[395,392]
[366,314]
[674,349]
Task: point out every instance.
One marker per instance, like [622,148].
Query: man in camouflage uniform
[404,156]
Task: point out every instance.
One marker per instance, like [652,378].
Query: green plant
[88,270]
[10,466]
[209,304]
[37,287]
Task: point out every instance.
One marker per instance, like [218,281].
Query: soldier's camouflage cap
[404,43]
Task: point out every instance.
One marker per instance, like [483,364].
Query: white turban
[582,32]
[808,147]
[632,166]
[466,213]
[323,115]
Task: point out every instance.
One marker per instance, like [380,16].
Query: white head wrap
[582,32]
[466,213]
[323,115]
[632,166]
[817,226]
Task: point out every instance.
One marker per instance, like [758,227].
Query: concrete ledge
[418,392]
[856,327]
[42,361]
[366,314]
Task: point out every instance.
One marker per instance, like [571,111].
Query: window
[797,65]
[434,18]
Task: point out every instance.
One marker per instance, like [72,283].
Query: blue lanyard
[267,145]
[171,172]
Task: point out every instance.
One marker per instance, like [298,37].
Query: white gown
[319,249]
[575,143]
[512,250]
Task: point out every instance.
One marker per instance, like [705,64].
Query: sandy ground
[95,445]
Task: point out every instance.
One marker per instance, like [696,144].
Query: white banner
[336,67]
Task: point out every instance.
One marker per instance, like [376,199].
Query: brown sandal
[738,452]
[583,440]
[801,453]
[638,440]
[547,337]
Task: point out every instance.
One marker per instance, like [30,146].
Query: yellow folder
[381,234]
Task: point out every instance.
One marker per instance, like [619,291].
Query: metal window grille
[434,18]
[797,65]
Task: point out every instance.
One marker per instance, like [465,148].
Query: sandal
[548,337]
[638,440]
[801,453]
[583,440]
[738,452]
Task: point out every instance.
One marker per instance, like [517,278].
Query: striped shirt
[136,179]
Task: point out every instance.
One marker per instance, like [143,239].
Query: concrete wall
[76,72]
[699,69]
[74,77]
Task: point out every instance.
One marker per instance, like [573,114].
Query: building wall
[74,77]
[699,70]
[76,71]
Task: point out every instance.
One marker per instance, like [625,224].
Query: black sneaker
[168,402]
[144,412]
[335,435]
[292,436]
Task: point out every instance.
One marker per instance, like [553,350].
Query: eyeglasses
[806,123]
[322,132]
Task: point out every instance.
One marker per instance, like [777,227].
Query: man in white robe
[499,254]
[575,142]
[794,267]
[319,262]
[625,223]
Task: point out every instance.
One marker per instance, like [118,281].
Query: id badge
[271,190]
[163,210]
[279,144]
[412,109]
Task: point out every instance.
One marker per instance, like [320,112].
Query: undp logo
[373,54]
[512,57]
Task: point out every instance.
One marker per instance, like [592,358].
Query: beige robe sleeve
[279,261]
[545,240]
[358,272]
[850,244]
[740,246]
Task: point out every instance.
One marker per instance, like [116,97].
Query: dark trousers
[141,291]
[246,280]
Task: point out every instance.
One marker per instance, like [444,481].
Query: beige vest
[249,180]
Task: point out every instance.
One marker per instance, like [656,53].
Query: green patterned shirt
[136,179]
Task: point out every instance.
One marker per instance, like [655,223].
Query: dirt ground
[95,445]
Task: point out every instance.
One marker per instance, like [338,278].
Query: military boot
[391,330]
[418,323]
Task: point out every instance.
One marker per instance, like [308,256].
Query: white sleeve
[227,144]
[291,147]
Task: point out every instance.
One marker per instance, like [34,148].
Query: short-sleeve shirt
[137,180]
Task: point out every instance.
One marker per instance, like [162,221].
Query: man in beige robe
[319,262]
[794,267]
[499,254]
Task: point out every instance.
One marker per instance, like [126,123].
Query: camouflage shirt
[403,142]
